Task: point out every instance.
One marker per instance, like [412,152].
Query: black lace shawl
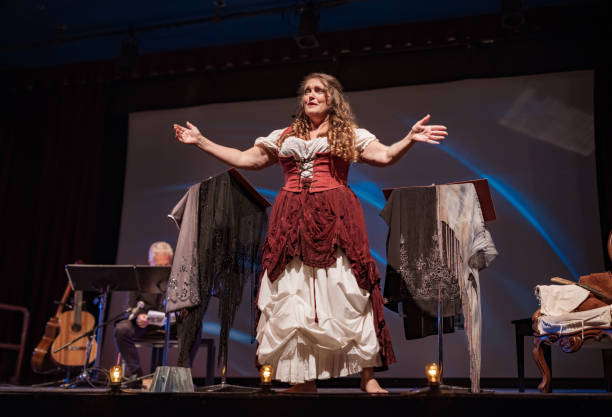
[229,229]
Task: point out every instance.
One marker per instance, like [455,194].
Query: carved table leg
[538,355]
[548,358]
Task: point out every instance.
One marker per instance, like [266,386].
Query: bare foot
[372,387]
[308,386]
[369,384]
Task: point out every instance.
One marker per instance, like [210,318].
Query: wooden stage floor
[338,402]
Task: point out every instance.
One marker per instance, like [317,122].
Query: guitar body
[69,325]
[41,360]
[74,355]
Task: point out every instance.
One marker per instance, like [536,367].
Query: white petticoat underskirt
[341,343]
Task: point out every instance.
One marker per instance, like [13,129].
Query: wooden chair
[597,337]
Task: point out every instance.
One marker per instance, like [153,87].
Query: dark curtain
[603,153]
[53,201]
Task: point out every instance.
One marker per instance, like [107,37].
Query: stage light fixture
[512,16]
[308,26]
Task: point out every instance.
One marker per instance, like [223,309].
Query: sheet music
[156,318]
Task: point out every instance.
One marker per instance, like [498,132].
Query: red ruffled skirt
[313,226]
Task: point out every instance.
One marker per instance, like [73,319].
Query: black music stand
[102,279]
[488,211]
[154,279]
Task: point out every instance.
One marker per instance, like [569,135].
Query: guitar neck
[78,306]
[60,308]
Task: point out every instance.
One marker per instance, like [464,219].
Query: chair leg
[156,357]
[548,358]
[606,355]
[520,358]
[210,363]
[153,359]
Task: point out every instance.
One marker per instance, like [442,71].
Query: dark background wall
[64,128]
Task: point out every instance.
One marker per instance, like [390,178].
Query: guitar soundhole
[76,327]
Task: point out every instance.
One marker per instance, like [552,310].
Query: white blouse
[304,151]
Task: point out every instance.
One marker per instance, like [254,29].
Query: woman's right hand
[189,134]
[253,158]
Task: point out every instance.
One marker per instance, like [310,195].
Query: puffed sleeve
[270,142]
[363,138]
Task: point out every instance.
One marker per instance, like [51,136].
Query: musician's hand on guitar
[142,321]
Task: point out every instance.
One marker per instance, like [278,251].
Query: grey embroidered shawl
[182,290]
[437,237]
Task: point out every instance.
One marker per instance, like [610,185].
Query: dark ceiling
[46,33]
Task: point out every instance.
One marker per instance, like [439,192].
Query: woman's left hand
[421,132]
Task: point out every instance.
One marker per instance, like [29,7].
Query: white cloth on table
[557,300]
[575,322]
[557,305]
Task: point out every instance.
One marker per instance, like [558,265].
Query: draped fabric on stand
[418,295]
[221,229]
[438,239]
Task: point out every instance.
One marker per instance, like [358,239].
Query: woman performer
[320,304]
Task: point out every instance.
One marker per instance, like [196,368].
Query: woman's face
[315,99]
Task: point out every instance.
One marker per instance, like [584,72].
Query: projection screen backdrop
[530,136]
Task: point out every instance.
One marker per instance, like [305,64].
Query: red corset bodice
[328,172]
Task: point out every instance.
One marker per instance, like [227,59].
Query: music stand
[488,211]
[482,191]
[154,279]
[102,279]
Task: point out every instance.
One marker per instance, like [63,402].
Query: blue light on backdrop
[517,201]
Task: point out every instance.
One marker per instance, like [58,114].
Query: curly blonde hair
[341,131]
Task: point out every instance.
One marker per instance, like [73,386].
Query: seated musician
[126,330]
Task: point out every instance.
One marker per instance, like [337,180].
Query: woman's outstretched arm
[253,158]
[381,155]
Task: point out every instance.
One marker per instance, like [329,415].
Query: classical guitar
[41,360]
[73,324]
